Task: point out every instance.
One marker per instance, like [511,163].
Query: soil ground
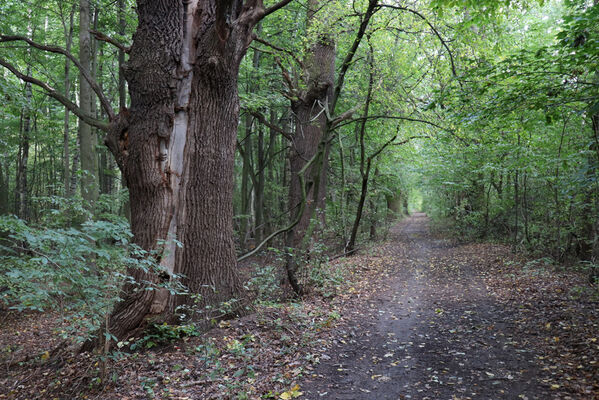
[418,316]
[439,330]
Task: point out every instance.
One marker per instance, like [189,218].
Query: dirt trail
[435,332]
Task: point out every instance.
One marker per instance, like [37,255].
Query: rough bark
[311,108]
[311,124]
[175,147]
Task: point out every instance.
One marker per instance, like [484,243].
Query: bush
[77,271]
[265,284]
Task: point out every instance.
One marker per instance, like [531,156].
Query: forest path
[434,332]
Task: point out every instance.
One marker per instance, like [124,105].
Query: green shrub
[265,284]
[76,271]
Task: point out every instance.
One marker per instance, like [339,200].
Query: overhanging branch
[59,50]
[105,38]
[280,49]
[269,125]
[410,139]
[50,91]
[435,31]
[373,6]
[411,119]
[276,7]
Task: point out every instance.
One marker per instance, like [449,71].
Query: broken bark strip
[175,147]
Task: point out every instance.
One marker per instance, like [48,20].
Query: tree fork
[175,147]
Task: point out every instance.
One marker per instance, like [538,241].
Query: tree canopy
[257,129]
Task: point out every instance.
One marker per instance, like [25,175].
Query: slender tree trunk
[525,206]
[590,242]
[516,196]
[4,178]
[87,137]
[67,91]
[365,163]
[516,207]
[246,181]
[259,187]
[271,211]
[122,85]
[343,186]
[75,167]
[33,181]
[373,210]
[22,192]
[121,62]
[350,248]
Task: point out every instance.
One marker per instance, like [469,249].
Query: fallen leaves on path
[416,317]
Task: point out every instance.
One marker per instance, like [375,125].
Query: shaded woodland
[167,166]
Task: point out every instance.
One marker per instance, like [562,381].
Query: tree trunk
[22,192]
[373,211]
[87,137]
[365,163]
[75,167]
[4,177]
[311,125]
[350,248]
[175,147]
[516,197]
[271,209]
[67,91]
[122,82]
[245,149]
[259,188]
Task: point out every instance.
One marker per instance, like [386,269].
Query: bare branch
[105,38]
[50,91]
[410,139]
[59,50]
[380,150]
[276,7]
[277,48]
[286,77]
[275,128]
[435,31]
[345,116]
[411,119]
[372,8]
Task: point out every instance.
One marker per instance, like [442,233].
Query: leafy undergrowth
[558,314]
[272,352]
[262,355]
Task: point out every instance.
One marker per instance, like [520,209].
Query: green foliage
[265,284]
[161,334]
[524,168]
[75,271]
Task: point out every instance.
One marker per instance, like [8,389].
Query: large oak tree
[175,147]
